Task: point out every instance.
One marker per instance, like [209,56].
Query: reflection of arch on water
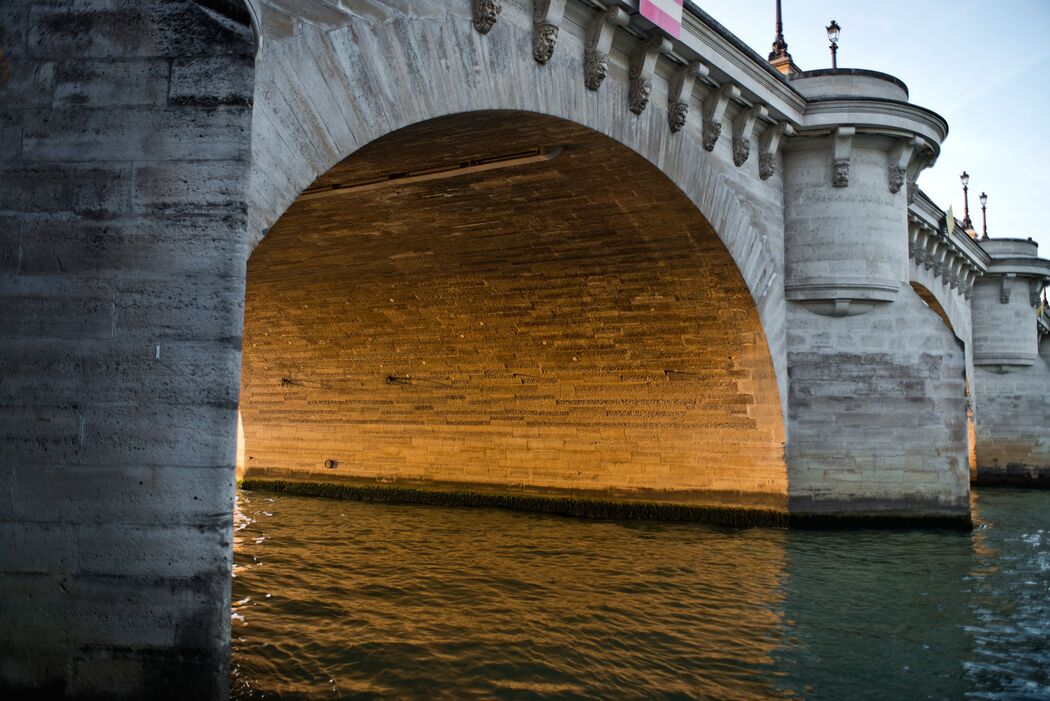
[505,299]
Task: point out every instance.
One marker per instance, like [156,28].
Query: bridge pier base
[877,415]
[1011,369]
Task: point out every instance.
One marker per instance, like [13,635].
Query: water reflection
[1010,628]
[877,614]
[342,599]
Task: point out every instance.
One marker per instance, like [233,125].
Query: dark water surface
[340,599]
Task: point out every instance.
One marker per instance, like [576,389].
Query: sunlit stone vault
[506,300]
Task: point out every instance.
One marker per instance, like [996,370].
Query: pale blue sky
[983,66]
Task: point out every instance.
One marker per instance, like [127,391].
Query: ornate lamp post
[965,178]
[780,46]
[984,214]
[833,37]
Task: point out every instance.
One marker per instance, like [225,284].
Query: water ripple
[340,599]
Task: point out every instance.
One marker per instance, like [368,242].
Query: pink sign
[665,14]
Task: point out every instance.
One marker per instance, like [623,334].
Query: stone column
[877,397]
[124,147]
[1011,376]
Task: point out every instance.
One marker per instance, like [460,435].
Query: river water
[341,599]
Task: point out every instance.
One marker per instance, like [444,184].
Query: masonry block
[211,81]
[131,495]
[119,371]
[56,307]
[219,133]
[158,244]
[129,29]
[28,83]
[106,83]
[63,187]
[188,186]
[10,134]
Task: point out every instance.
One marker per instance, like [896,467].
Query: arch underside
[561,319]
[947,302]
[331,79]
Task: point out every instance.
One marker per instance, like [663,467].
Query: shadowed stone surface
[121,293]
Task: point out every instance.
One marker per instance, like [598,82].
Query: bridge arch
[330,81]
[501,302]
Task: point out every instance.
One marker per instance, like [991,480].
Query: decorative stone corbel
[1035,289]
[900,157]
[940,262]
[643,65]
[599,40]
[923,157]
[969,276]
[485,14]
[953,274]
[1006,287]
[546,20]
[715,111]
[931,244]
[767,148]
[932,250]
[842,150]
[743,128]
[914,246]
[680,91]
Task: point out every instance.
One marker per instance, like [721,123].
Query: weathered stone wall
[877,412]
[124,145]
[570,327]
[1013,416]
[1004,330]
[1012,404]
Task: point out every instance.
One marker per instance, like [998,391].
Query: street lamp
[984,214]
[833,37]
[965,178]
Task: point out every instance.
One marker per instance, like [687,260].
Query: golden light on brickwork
[562,320]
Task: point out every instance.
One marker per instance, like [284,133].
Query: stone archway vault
[508,304]
[331,81]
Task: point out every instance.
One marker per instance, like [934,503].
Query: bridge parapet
[950,257]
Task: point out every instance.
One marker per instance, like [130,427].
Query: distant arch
[934,304]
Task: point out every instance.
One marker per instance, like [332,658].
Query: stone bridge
[481,251]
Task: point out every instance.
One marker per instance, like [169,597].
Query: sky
[983,66]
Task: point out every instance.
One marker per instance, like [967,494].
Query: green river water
[342,599]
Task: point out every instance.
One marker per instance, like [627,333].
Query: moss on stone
[568,506]
[608,509]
